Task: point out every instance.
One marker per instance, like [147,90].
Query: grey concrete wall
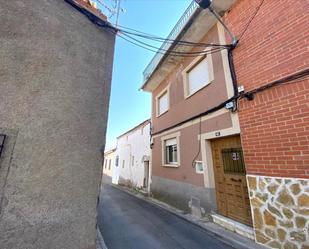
[55,73]
[178,194]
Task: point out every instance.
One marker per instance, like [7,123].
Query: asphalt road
[127,222]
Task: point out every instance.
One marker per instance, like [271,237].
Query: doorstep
[233,226]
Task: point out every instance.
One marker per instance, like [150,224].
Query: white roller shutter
[170,142]
[198,77]
[163,103]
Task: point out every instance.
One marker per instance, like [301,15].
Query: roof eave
[199,15]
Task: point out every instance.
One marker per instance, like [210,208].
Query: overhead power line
[172,53]
[196,53]
[166,40]
[293,78]
[135,39]
[251,19]
[286,80]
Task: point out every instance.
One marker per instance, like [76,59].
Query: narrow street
[127,222]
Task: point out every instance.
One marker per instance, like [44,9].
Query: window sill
[191,94]
[171,165]
[159,115]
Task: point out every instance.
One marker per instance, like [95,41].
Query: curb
[228,237]
[100,241]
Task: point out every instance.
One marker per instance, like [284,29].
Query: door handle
[235,180]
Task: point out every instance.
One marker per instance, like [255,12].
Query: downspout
[231,47]
[232,69]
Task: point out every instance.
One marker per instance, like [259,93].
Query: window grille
[233,161]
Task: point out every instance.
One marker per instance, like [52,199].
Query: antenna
[118,10]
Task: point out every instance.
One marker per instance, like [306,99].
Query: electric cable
[288,79]
[166,40]
[251,19]
[174,52]
[145,35]
[295,77]
[199,142]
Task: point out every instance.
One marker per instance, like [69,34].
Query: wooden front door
[230,179]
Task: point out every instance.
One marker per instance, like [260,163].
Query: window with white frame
[123,163]
[170,146]
[162,104]
[198,75]
[199,167]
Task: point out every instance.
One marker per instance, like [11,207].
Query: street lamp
[206,4]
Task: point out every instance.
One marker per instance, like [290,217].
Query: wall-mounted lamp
[206,4]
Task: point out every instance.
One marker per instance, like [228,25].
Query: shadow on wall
[182,195]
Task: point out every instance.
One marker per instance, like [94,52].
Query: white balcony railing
[173,34]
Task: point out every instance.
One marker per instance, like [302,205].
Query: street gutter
[100,241]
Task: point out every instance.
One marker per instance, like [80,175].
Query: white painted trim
[235,129]
[174,135]
[193,122]
[234,226]
[209,178]
[225,60]
[199,172]
[167,90]
[188,68]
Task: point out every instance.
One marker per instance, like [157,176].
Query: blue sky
[128,105]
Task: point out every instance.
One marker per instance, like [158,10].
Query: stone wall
[280,208]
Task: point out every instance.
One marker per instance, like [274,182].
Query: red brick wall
[275,125]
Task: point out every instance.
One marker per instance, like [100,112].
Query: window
[105,164]
[199,167]
[110,164]
[233,161]
[123,163]
[171,151]
[198,75]
[170,146]
[132,158]
[162,103]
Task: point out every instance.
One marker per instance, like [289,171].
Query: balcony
[173,34]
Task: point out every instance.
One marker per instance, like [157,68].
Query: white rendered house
[132,157]
[109,162]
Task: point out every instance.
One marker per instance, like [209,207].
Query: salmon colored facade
[266,137]
[190,180]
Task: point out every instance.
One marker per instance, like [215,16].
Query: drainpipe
[232,69]
[206,4]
